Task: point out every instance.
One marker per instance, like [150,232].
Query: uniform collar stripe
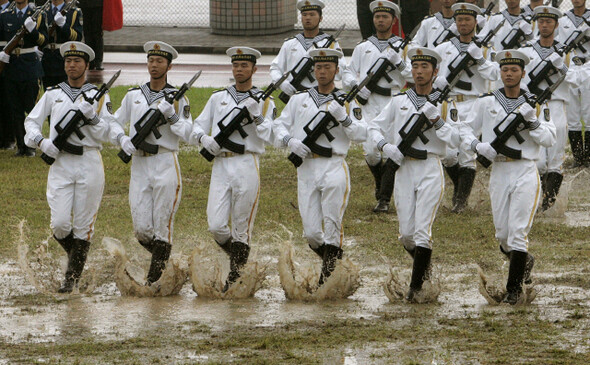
[306,44]
[74,94]
[419,100]
[153,96]
[510,18]
[239,96]
[508,104]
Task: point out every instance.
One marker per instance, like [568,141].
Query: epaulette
[52,88]
[450,100]
[484,95]
[133,88]
[527,44]
[428,16]
[288,39]
[301,92]
[399,94]
[218,90]
[363,41]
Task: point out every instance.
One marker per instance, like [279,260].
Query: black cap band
[426,58]
[76,53]
[384,9]
[159,52]
[512,61]
[243,57]
[473,13]
[326,59]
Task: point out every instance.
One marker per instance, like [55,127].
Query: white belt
[54,46]
[19,51]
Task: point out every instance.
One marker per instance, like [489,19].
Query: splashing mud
[493,289]
[559,209]
[129,277]
[299,281]
[395,288]
[209,268]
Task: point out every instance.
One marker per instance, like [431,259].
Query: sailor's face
[325,72]
[511,75]
[158,66]
[242,70]
[423,72]
[383,21]
[546,26]
[75,67]
[310,19]
[465,24]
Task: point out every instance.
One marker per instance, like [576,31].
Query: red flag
[112,15]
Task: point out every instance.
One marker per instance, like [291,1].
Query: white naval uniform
[365,54]
[75,183]
[551,158]
[431,28]
[483,73]
[235,178]
[515,187]
[296,48]
[155,186]
[323,183]
[576,110]
[510,21]
[419,184]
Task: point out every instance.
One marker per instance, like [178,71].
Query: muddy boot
[66,243]
[331,254]
[587,147]
[160,255]
[319,251]
[528,268]
[515,276]
[577,146]
[465,183]
[381,207]
[76,262]
[148,245]
[376,171]
[237,259]
[552,186]
[387,184]
[453,172]
[419,270]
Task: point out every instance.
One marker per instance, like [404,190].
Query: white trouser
[233,194]
[374,106]
[574,109]
[154,194]
[419,188]
[74,190]
[323,187]
[515,191]
[465,157]
[551,158]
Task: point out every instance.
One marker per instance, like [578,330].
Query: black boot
[237,259]
[148,245]
[587,148]
[515,276]
[419,269]
[319,251]
[376,171]
[387,185]
[552,186]
[453,172]
[528,268]
[331,254]
[160,255]
[577,146]
[465,183]
[66,243]
[76,262]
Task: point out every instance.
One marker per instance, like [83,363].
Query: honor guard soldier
[576,20]
[545,50]
[23,70]
[436,28]
[76,181]
[419,183]
[294,51]
[235,178]
[155,187]
[516,30]
[60,28]
[529,12]
[323,183]
[6,132]
[514,183]
[368,56]
[474,80]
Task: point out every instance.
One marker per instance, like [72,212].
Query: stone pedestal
[252,17]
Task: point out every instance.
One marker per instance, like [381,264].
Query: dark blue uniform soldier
[67,28]
[23,71]
[6,133]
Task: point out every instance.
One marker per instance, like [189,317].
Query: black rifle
[516,36]
[512,124]
[151,120]
[72,122]
[238,121]
[381,69]
[325,122]
[464,60]
[303,68]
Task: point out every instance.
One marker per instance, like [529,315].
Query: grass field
[461,328]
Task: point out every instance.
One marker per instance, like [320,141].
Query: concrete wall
[252,17]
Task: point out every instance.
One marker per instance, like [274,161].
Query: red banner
[112,15]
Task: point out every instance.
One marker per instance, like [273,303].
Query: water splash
[395,288]
[493,289]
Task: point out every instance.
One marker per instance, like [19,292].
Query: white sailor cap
[466,9]
[386,6]
[306,5]
[243,54]
[424,54]
[77,49]
[512,57]
[157,48]
[325,55]
[548,12]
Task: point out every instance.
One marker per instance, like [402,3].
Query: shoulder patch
[110,107]
[358,113]
[187,111]
[454,114]
[274,113]
[547,114]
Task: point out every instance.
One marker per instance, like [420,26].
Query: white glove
[430,111]
[253,107]
[4,57]
[59,19]
[287,88]
[393,153]
[30,24]
[48,148]
[453,29]
[392,56]
[210,144]
[528,112]
[486,150]
[526,27]
[338,111]
[555,60]
[298,148]
[86,109]
[364,93]
[440,83]
[474,51]
[127,146]
[166,109]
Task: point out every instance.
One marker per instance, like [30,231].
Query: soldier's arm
[72,29]
[118,120]
[35,119]
[264,129]
[184,125]
[355,126]
[544,132]
[203,123]
[283,125]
